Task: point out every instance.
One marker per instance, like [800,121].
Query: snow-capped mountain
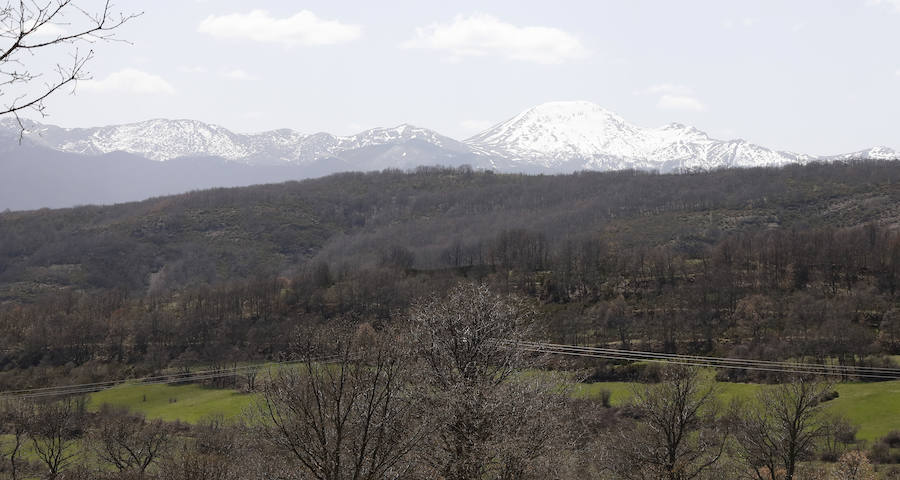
[874,153]
[556,137]
[164,140]
[583,135]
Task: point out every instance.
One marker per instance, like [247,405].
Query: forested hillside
[443,217]
[772,263]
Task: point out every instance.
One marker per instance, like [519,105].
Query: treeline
[440,395]
[800,262]
[828,295]
[216,236]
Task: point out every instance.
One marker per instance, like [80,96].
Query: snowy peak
[558,131]
[399,134]
[875,153]
[162,140]
[579,115]
[582,135]
[555,137]
[157,139]
[681,132]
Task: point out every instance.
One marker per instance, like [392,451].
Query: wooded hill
[802,261]
[438,217]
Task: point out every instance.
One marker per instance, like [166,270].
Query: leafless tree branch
[23,25]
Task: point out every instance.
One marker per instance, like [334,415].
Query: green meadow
[186,403]
[874,407]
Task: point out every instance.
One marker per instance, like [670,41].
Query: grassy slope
[191,403]
[875,407]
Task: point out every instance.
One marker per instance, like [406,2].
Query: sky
[817,77]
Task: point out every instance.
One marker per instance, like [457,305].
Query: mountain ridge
[560,133]
[554,137]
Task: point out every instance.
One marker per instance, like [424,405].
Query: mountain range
[159,156]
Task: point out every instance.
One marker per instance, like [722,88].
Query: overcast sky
[818,77]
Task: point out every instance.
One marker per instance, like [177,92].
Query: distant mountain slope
[874,153]
[35,177]
[555,137]
[583,135]
[165,140]
[58,167]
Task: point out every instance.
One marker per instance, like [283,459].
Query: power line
[714,362]
[173,376]
[700,364]
[883,373]
[75,389]
[613,351]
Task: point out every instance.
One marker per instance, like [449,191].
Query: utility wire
[882,373]
[715,362]
[729,360]
[73,389]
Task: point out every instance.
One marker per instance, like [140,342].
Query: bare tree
[491,421]
[782,428]
[53,434]
[249,379]
[528,435]
[128,442]
[839,433]
[15,418]
[677,435]
[55,28]
[349,418]
[215,452]
[853,465]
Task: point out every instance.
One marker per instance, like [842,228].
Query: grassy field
[621,392]
[187,403]
[875,407]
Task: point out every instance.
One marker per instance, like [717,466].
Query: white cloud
[238,74]
[302,29]
[680,102]
[893,4]
[482,35]
[476,126]
[897,72]
[673,97]
[129,80]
